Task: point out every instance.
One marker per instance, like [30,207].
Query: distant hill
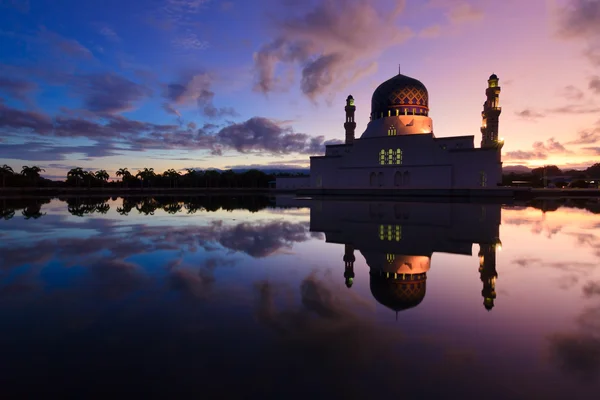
[517,169]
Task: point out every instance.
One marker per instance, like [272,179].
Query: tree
[124,174]
[172,175]
[5,171]
[77,174]
[32,173]
[147,175]
[102,176]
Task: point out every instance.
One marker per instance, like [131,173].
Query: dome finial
[399,69]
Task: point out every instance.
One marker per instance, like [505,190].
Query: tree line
[146,205]
[145,178]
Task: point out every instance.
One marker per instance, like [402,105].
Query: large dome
[401,95]
[395,293]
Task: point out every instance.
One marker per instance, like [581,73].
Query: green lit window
[382,157]
[392,131]
[390,233]
[390,258]
[398,157]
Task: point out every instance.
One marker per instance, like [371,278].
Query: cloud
[16,88]
[592,150]
[108,93]
[64,45]
[529,114]
[580,20]
[264,134]
[432,31]
[575,109]
[591,289]
[540,151]
[195,88]
[587,137]
[117,133]
[595,84]
[570,92]
[329,52]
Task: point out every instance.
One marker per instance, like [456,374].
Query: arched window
[398,178]
[373,179]
[390,156]
[398,156]
[380,178]
[406,180]
[392,131]
[382,157]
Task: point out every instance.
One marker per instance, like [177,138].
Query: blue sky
[210,83]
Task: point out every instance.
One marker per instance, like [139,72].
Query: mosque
[399,150]
[398,241]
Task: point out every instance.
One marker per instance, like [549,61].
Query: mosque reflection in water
[398,240]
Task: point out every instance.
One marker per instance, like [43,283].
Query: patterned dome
[400,95]
[395,293]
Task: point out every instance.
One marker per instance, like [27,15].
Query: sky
[235,83]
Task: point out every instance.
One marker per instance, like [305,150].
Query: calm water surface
[283,298]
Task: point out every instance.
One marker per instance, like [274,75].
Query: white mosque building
[399,149]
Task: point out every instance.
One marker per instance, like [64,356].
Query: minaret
[491,114]
[488,274]
[350,125]
[349,265]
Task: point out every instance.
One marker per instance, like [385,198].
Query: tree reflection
[30,208]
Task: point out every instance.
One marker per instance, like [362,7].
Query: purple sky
[210,83]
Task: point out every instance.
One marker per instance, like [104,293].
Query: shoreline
[501,193]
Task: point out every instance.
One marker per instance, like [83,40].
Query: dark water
[249,298]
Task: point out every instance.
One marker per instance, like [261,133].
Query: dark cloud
[321,43]
[117,132]
[195,89]
[109,93]
[18,120]
[529,114]
[264,134]
[43,151]
[16,88]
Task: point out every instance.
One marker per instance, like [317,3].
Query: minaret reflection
[487,272]
[398,239]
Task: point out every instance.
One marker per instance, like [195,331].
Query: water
[248,297]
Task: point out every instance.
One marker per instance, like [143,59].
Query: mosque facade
[399,150]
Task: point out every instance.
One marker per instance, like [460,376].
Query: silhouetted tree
[5,171]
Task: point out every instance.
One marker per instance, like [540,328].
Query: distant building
[399,149]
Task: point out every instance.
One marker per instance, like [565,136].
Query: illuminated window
[390,258]
[398,156]
[390,233]
[397,112]
[392,131]
[390,158]
[382,157]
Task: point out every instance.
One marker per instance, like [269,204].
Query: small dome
[493,77]
[397,294]
[350,97]
[399,93]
